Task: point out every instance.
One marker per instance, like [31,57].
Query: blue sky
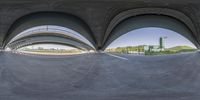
[150,36]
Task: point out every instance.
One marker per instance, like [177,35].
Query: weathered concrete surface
[99,77]
[95,19]
[49,39]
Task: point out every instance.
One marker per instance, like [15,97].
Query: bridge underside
[100,21]
[31,40]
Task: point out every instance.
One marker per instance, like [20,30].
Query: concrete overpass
[100,21]
[48,32]
[41,39]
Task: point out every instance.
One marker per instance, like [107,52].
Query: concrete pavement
[99,76]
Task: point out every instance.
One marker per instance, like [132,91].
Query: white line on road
[116,56]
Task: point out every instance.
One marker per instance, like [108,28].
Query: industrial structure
[155,48]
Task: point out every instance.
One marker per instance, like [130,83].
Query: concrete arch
[49,18]
[49,30]
[150,17]
[48,39]
[61,36]
[52,35]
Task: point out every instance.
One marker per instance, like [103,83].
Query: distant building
[152,48]
[155,48]
[161,42]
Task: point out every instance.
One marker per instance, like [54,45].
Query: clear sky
[150,36]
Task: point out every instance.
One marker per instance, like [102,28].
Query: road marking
[116,56]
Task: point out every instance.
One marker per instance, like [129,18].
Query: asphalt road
[100,76]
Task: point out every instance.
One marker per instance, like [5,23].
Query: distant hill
[181,48]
